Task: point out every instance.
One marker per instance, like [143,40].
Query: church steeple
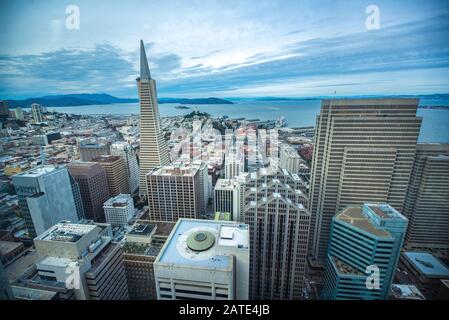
[144,69]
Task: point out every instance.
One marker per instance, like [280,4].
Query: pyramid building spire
[144,69]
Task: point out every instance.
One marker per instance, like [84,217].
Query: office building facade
[116,173]
[365,243]
[427,201]
[277,215]
[45,197]
[93,185]
[126,151]
[119,210]
[204,259]
[153,148]
[363,152]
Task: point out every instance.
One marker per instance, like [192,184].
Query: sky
[225,48]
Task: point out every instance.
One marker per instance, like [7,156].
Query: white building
[119,210]
[82,257]
[125,151]
[37,110]
[19,113]
[289,159]
[204,259]
[234,165]
[227,197]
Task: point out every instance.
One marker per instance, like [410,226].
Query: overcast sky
[225,48]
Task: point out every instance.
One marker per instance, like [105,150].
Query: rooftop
[197,243]
[344,268]
[66,232]
[177,170]
[427,264]
[9,246]
[120,200]
[106,159]
[355,217]
[406,291]
[141,229]
[38,171]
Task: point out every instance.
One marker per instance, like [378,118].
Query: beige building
[363,152]
[427,202]
[275,210]
[175,192]
[153,147]
[116,174]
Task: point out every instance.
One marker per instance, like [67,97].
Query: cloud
[406,56]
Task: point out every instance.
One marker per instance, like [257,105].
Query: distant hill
[194,101]
[84,99]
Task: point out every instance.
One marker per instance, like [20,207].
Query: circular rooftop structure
[200,240]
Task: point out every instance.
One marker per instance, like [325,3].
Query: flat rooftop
[427,264]
[106,159]
[344,268]
[355,217]
[120,200]
[180,170]
[384,211]
[406,291]
[66,232]
[216,234]
[38,171]
[141,229]
[9,246]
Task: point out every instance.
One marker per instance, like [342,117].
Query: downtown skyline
[213,49]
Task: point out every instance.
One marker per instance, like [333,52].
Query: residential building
[289,159]
[204,259]
[38,112]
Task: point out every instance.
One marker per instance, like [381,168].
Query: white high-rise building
[126,151]
[153,148]
[289,159]
[45,197]
[204,259]
[37,110]
[84,257]
[227,197]
[119,210]
[234,165]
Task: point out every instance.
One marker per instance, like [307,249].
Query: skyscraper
[363,152]
[363,239]
[94,189]
[90,150]
[37,111]
[153,148]
[175,192]
[19,113]
[427,201]
[45,197]
[204,259]
[77,197]
[234,165]
[227,197]
[141,248]
[119,210]
[275,210]
[289,159]
[83,255]
[116,174]
[125,151]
